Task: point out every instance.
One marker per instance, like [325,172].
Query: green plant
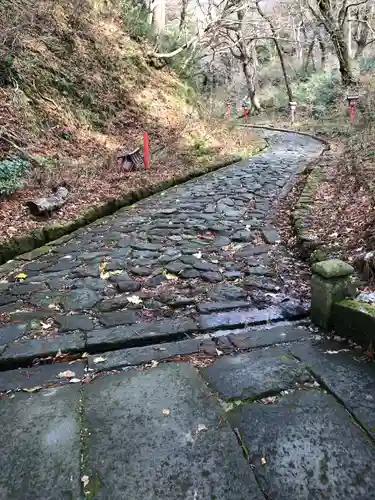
[12,170]
[7,70]
[136,21]
[183,63]
[367,64]
[45,162]
[321,89]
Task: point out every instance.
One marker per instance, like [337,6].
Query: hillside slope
[74,88]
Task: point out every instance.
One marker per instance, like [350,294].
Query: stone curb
[306,242]
[24,352]
[101,359]
[53,234]
[355,320]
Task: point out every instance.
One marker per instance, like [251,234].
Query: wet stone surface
[307,446]
[197,243]
[253,374]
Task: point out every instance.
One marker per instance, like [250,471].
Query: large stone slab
[39,375]
[307,447]
[23,352]
[235,319]
[254,374]
[155,435]
[40,445]
[348,378]
[137,334]
[138,355]
[263,337]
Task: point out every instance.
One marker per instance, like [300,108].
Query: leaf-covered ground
[77,89]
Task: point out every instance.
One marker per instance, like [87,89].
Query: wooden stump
[48,204]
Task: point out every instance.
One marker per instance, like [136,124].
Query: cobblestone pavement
[183,376]
[163,268]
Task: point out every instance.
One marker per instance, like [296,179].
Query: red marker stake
[245,113]
[228,111]
[146,150]
[352,112]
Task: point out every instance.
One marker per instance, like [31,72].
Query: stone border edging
[306,241]
[289,131]
[37,239]
[355,320]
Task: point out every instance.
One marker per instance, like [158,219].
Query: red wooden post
[146,150]
[228,111]
[245,113]
[352,112]
[352,103]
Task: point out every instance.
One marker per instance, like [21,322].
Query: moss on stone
[332,268]
[363,307]
[33,254]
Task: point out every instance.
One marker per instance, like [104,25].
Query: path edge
[42,241]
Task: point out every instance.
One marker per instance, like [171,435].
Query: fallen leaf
[32,389]
[66,374]
[263,461]
[202,427]
[165,412]
[100,359]
[102,268]
[170,276]
[85,355]
[134,299]
[53,306]
[21,276]
[85,480]
[47,324]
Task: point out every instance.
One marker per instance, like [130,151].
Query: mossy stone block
[332,268]
[355,320]
[324,292]
[34,254]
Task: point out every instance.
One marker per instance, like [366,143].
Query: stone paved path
[177,374]
[169,264]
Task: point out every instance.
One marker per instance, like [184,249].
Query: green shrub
[136,21]
[367,64]
[321,89]
[12,170]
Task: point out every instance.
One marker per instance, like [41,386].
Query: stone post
[332,280]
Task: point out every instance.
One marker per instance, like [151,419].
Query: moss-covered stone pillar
[332,280]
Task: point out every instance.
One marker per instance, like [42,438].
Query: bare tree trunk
[350,39]
[158,15]
[323,53]
[335,28]
[278,50]
[183,14]
[362,32]
[342,52]
[309,56]
[249,77]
